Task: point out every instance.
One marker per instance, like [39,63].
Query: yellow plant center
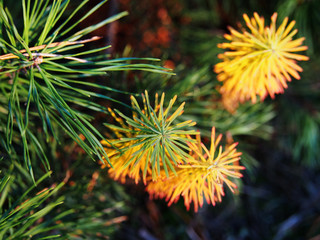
[260,60]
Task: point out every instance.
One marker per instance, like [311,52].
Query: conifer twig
[52,45]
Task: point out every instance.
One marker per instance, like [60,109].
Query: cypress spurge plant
[44,73]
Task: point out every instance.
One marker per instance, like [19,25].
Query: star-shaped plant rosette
[203,176]
[149,141]
[259,60]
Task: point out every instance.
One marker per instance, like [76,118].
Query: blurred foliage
[25,215]
[80,207]
[299,124]
[99,205]
[306,15]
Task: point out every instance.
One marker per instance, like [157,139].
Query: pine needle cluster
[260,61]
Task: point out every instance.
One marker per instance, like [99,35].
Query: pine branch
[40,72]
